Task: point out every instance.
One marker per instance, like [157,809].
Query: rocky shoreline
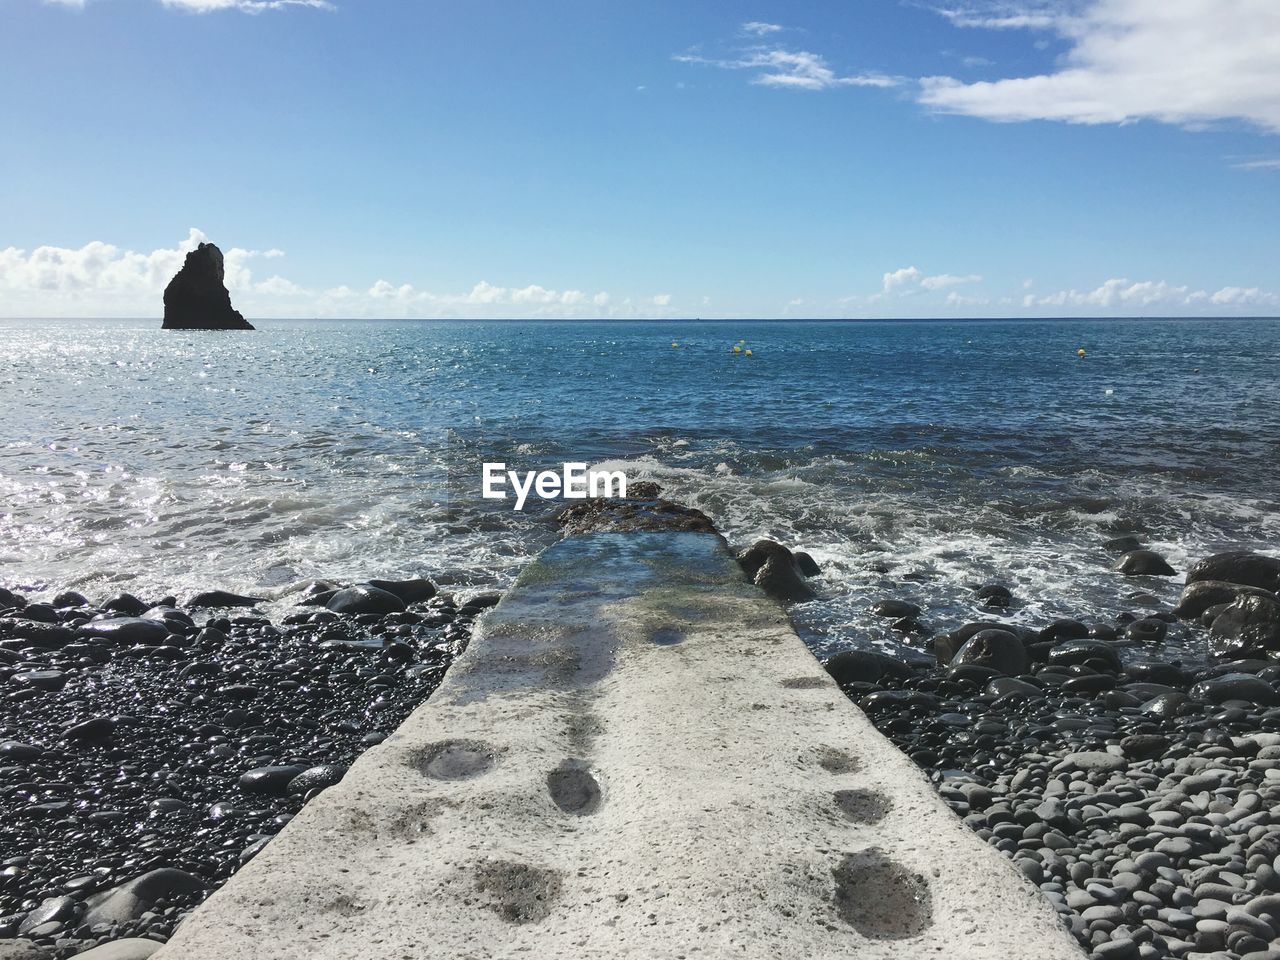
[1141,796]
[148,749]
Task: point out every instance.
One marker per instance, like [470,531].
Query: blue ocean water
[912,459]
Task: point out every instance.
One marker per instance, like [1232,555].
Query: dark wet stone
[1012,686]
[1250,569]
[60,910]
[1144,563]
[1088,686]
[643,490]
[93,730]
[270,781]
[47,680]
[125,604]
[773,568]
[363,598]
[126,630]
[1085,652]
[997,650]
[1249,623]
[1061,630]
[996,596]
[255,848]
[127,902]
[69,598]
[221,598]
[808,566]
[895,608]
[781,579]
[865,666]
[1199,595]
[1122,545]
[1165,705]
[317,778]
[45,635]
[1147,630]
[600,515]
[11,751]
[409,591]
[40,613]
[1237,686]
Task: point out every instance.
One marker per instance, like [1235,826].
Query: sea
[913,460]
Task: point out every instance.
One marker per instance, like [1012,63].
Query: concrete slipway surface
[636,757]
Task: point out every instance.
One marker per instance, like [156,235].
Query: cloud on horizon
[1183,62]
[101,280]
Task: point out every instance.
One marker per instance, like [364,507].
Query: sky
[673,158]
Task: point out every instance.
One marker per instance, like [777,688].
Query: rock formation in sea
[197,297]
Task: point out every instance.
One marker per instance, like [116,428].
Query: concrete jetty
[636,758]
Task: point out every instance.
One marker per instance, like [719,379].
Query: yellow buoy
[674,344]
[747,353]
[1080,352]
[736,348]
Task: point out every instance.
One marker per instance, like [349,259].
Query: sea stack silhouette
[197,297]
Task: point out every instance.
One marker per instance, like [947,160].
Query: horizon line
[744,319]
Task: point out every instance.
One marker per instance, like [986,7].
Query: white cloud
[1188,62]
[1269,164]
[947,280]
[1009,14]
[247,6]
[212,6]
[910,279]
[662,300]
[758,29]
[900,278]
[957,299]
[1119,293]
[790,69]
[102,280]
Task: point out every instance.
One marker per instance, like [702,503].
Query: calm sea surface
[948,454]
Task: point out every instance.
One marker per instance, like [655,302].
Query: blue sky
[824,159]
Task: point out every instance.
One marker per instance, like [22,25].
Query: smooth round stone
[896,609]
[1091,761]
[1144,563]
[12,751]
[166,805]
[59,910]
[1176,847]
[317,778]
[270,781]
[94,730]
[126,630]
[1122,949]
[48,680]
[363,598]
